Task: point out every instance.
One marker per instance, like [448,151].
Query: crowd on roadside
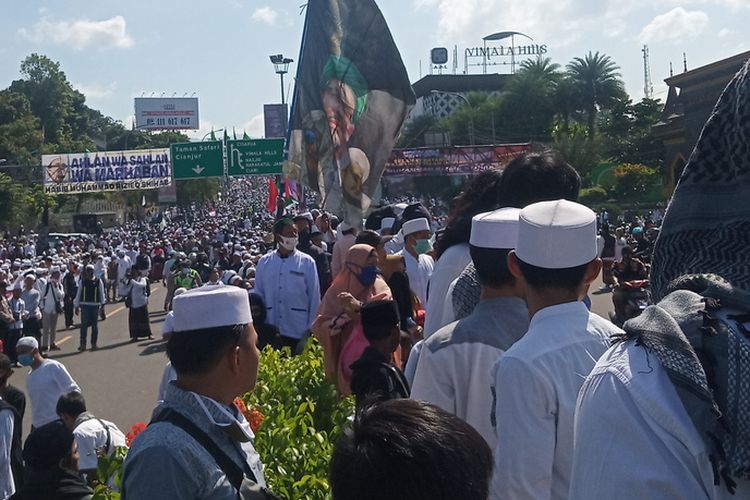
[477,367]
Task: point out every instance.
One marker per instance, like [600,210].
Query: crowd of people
[462,330]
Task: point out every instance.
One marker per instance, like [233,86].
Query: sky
[218,50]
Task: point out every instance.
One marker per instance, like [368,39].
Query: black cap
[47,445]
[378,317]
[281,223]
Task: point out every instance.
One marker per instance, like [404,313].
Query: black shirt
[373,375]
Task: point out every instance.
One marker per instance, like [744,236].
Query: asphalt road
[121,379]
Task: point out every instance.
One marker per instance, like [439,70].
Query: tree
[50,95]
[598,84]
[635,180]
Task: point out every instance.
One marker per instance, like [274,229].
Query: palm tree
[542,68]
[598,83]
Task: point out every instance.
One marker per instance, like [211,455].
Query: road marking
[115,311]
[64,339]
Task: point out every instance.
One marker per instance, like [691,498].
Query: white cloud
[676,25]
[255,127]
[95,90]
[265,15]
[466,21]
[81,33]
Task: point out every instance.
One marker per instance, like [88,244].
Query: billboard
[275,120]
[458,160]
[75,173]
[166,113]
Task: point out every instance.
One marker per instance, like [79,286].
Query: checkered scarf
[701,263]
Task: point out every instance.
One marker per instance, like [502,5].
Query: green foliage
[21,204]
[635,180]
[109,472]
[592,195]
[303,418]
[598,84]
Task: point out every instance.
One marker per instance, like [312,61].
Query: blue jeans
[89,317]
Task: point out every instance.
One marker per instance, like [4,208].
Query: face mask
[185,271]
[423,246]
[25,359]
[239,431]
[368,275]
[289,244]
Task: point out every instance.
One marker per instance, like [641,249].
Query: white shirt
[419,272]
[536,385]
[290,291]
[634,439]
[51,295]
[90,435]
[455,363]
[620,243]
[447,268]
[7,486]
[169,374]
[137,288]
[44,386]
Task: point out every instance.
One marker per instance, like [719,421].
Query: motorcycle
[636,300]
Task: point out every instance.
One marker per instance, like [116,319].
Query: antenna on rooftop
[648,85]
[684,62]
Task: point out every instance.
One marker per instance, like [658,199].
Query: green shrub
[302,419]
[592,195]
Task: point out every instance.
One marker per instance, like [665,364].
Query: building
[441,95]
[692,96]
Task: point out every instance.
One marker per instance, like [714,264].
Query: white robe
[536,386]
[123,266]
[634,439]
[290,291]
[419,272]
[447,268]
[455,363]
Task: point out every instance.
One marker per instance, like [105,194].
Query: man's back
[45,384]
[536,385]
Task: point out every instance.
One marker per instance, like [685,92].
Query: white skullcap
[414,226]
[556,235]
[399,208]
[168,325]
[29,342]
[211,307]
[387,223]
[497,229]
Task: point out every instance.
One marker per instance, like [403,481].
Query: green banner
[197,160]
[255,156]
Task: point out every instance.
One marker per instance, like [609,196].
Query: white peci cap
[497,229]
[557,235]
[415,225]
[29,342]
[211,307]
[387,223]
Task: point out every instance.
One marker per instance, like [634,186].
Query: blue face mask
[25,359]
[368,275]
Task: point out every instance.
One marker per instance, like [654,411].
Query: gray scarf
[708,361]
[701,263]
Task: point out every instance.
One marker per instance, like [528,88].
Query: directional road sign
[255,156]
[197,160]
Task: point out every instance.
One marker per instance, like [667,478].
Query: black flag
[351,97]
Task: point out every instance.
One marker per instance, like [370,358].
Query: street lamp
[471,113]
[281,66]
